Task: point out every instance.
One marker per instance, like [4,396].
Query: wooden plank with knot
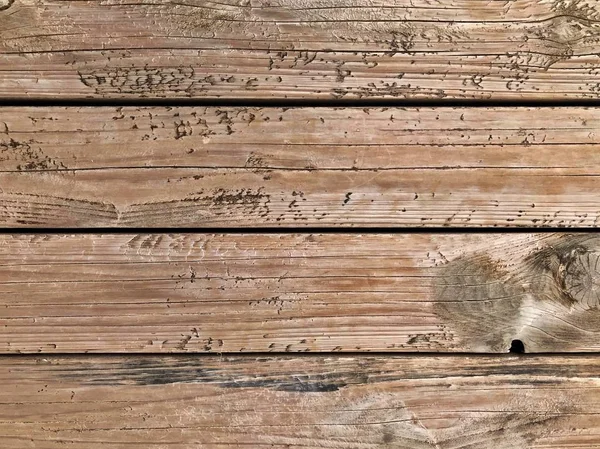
[231,293]
[300,49]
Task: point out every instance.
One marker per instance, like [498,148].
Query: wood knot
[568,30]
[5,4]
[581,277]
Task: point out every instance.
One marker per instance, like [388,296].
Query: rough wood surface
[294,292]
[233,167]
[327,49]
[303,402]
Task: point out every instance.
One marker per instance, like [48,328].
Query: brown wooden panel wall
[291,402]
[299,167]
[211,221]
[299,292]
[309,49]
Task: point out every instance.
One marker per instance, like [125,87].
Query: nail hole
[517,347]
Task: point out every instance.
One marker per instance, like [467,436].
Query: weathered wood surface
[303,402]
[263,49]
[294,292]
[244,167]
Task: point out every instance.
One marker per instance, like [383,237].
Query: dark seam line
[305,103]
[274,354]
[340,229]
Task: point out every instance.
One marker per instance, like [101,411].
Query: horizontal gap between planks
[320,354]
[291,103]
[306,230]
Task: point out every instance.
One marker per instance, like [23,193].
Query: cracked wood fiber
[308,49]
[299,292]
[299,167]
[300,402]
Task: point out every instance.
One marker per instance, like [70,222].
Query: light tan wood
[306,167]
[285,49]
[297,293]
[303,402]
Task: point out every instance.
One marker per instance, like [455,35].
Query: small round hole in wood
[517,347]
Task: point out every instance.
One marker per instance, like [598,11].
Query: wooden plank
[285,49]
[297,293]
[302,402]
[244,167]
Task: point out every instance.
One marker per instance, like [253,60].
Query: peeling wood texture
[297,293]
[304,167]
[306,402]
[307,49]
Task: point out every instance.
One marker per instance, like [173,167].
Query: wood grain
[299,167]
[296,293]
[302,402]
[310,49]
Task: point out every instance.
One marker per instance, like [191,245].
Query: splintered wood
[297,293]
[302,402]
[305,167]
[309,49]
